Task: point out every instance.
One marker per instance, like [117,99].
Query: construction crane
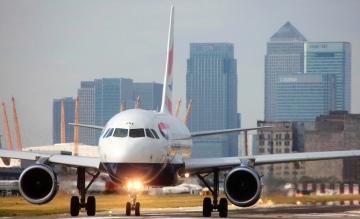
[16,126]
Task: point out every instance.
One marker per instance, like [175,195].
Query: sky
[48,47]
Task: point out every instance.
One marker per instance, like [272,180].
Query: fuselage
[144,145]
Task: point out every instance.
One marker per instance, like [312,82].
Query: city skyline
[52,53]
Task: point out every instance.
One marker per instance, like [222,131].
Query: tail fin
[166,105]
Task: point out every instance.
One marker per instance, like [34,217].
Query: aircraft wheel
[91,206]
[128,209]
[137,209]
[74,206]
[207,207]
[223,207]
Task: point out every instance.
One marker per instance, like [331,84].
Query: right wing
[67,160]
[224,163]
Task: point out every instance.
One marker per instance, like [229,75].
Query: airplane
[141,147]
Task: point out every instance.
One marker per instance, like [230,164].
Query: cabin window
[155,133]
[109,133]
[137,133]
[122,133]
[148,133]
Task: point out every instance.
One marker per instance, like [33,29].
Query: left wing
[204,164]
[68,160]
[224,131]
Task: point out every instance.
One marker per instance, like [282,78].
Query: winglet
[166,105]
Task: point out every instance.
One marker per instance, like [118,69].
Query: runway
[310,212]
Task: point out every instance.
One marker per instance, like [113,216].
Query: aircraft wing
[87,126]
[205,164]
[224,131]
[67,160]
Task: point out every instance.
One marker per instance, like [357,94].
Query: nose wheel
[132,206]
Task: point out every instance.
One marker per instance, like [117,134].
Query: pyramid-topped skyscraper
[288,33]
[285,55]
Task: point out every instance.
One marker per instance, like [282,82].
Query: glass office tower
[332,58]
[303,97]
[211,82]
[69,111]
[285,54]
[150,94]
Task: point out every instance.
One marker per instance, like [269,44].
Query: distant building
[86,94]
[336,131]
[150,95]
[109,92]
[302,97]
[69,111]
[284,55]
[211,82]
[332,58]
[278,139]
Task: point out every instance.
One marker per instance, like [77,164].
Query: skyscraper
[86,94]
[303,97]
[69,110]
[150,94]
[211,82]
[332,58]
[109,92]
[285,54]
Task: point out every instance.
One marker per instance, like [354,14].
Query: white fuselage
[129,148]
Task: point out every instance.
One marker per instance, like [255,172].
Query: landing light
[134,185]
[187,175]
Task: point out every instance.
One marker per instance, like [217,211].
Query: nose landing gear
[133,205]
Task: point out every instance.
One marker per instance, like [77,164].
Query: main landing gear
[208,206]
[133,205]
[76,204]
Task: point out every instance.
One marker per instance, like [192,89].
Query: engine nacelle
[38,184]
[243,186]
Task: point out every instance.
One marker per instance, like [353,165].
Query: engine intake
[243,186]
[38,184]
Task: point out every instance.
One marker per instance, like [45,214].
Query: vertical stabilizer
[166,105]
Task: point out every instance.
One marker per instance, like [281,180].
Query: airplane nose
[131,150]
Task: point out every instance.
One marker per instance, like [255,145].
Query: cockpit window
[109,133]
[105,133]
[122,133]
[148,133]
[155,134]
[136,133]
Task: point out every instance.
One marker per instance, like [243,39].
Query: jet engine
[243,186]
[38,184]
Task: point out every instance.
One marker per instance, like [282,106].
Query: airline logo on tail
[166,105]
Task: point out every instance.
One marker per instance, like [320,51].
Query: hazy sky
[48,47]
